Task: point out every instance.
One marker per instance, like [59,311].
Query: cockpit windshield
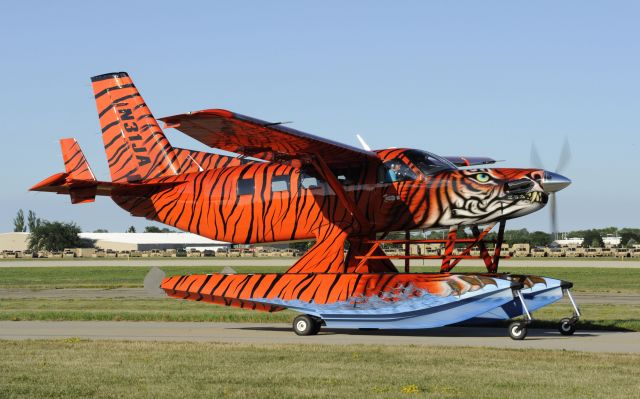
[428,163]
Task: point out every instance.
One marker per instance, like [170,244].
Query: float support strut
[407,251]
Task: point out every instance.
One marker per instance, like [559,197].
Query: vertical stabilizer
[136,147]
[75,163]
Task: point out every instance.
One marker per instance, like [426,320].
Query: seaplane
[277,184]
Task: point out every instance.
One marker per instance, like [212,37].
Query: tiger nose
[552,182]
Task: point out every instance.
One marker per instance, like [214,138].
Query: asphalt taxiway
[251,333]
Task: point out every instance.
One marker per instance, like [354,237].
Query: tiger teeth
[532,196]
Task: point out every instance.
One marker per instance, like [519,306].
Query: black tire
[317,325]
[305,325]
[518,330]
[567,327]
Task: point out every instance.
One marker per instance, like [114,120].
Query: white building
[569,242]
[611,241]
[148,241]
[125,241]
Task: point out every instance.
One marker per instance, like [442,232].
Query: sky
[456,78]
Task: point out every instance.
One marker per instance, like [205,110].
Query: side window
[280,183]
[397,170]
[245,186]
[310,182]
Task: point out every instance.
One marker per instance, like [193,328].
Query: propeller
[553,181]
[363,143]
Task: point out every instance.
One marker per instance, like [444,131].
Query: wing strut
[335,185]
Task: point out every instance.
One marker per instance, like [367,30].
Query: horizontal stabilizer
[82,191]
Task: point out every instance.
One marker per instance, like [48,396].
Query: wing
[470,161]
[241,134]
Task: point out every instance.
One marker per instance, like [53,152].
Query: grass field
[594,280]
[610,281]
[102,369]
[101,276]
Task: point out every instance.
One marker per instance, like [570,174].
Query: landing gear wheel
[306,325]
[317,325]
[567,326]
[518,330]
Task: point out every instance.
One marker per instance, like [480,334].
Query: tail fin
[136,147]
[75,163]
[79,182]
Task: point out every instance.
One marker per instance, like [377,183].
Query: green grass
[592,280]
[618,317]
[165,309]
[102,276]
[102,369]
[585,279]
[595,317]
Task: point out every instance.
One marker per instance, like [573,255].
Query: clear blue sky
[456,78]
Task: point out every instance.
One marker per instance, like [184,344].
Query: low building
[148,241]
[123,242]
[14,241]
[569,242]
[611,240]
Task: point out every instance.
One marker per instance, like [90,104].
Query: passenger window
[309,182]
[280,183]
[245,186]
[397,170]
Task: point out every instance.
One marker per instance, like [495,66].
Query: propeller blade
[565,156]
[536,162]
[554,215]
[363,143]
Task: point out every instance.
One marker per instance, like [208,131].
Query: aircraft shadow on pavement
[434,332]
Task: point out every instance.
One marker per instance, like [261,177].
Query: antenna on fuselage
[363,143]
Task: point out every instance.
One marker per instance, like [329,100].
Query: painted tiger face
[486,195]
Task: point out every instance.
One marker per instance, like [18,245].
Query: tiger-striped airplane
[288,185]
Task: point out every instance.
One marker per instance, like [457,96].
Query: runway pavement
[590,341]
[505,263]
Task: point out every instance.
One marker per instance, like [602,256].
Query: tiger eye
[482,177]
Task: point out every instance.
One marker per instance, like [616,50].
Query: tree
[18,223]
[101,231]
[628,236]
[56,236]
[539,239]
[154,229]
[592,238]
[32,221]
[302,246]
[131,229]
